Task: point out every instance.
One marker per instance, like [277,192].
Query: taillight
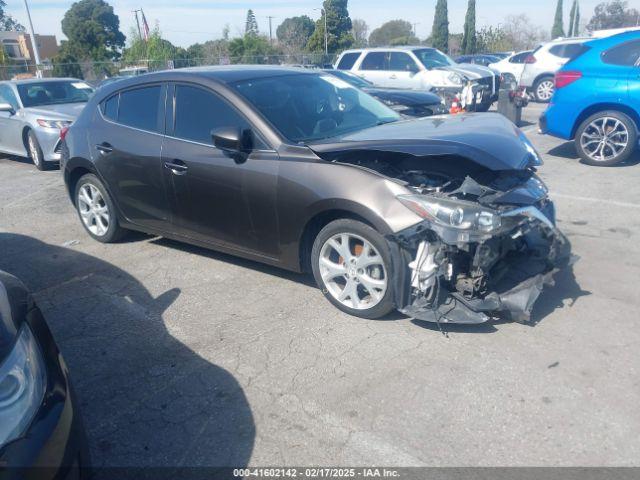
[565,78]
[63,132]
[530,59]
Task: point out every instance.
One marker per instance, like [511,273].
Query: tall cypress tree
[574,20]
[440,30]
[251,25]
[558,23]
[469,36]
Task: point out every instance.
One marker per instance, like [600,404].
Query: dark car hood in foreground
[404,97]
[488,139]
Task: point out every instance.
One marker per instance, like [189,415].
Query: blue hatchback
[597,100]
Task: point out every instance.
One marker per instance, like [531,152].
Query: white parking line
[596,200]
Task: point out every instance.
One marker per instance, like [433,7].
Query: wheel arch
[323,216]
[74,170]
[601,107]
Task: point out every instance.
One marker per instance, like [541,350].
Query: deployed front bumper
[515,277]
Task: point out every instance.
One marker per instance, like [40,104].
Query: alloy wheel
[33,151]
[353,271]
[604,139]
[545,90]
[93,209]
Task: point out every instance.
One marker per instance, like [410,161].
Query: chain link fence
[98,71]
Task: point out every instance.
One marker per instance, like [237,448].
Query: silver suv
[421,68]
[540,67]
[34,111]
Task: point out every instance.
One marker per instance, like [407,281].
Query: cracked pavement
[186,357]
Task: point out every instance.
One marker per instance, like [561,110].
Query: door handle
[393,76]
[104,148]
[177,167]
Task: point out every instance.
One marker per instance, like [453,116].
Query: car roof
[386,49]
[26,81]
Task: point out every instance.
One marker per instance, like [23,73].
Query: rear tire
[544,89]
[96,210]
[606,138]
[355,276]
[35,151]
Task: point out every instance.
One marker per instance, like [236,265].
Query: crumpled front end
[470,275]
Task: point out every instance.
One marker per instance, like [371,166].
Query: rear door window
[626,54]
[568,50]
[139,108]
[375,61]
[402,62]
[348,60]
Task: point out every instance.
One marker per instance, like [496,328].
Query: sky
[190,21]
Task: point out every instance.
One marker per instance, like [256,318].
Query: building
[17,47]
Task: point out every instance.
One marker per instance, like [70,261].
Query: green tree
[338,28]
[93,31]
[294,33]
[251,25]
[7,22]
[154,52]
[252,49]
[440,30]
[558,23]
[574,20]
[469,36]
[614,14]
[393,32]
[492,39]
[66,64]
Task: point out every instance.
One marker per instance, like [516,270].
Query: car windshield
[351,79]
[432,58]
[53,93]
[307,107]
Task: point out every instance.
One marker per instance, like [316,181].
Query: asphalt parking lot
[185,357]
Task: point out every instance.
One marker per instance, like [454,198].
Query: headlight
[59,124]
[453,213]
[23,380]
[455,78]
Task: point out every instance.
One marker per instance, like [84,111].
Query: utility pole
[270,35]
[34,43]
[326,34]
[135,12]
[414,29]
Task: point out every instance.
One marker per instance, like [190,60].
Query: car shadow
[564,290]
[148,400]
[568,150]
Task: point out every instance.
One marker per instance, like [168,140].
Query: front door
[215,198]
[10,124]
[126,142]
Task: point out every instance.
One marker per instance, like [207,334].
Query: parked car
[32,113]
[478,59]
[40,424]
[511,67]
[300,170]
[541,66]
[420,68]
[409,103]
[597,100]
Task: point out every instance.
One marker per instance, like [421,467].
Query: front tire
[96,210]
[544,89]
[351,264]
[35,151]
[606,138]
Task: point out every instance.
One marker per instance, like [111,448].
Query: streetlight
[326,42]
[34,44]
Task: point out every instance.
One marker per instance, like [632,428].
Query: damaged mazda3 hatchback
[443,218]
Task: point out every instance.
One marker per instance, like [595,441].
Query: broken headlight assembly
[456,214]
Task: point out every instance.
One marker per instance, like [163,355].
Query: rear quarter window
[110,107]
[568,50]
[348,60]
[626,54]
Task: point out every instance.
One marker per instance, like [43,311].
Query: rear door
[402,71]
[126,141]
[374,67]
[10,123]
[215,198]
[620,73]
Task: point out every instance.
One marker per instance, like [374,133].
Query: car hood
[488,139]
[63,111]
[404,97]
[469,70]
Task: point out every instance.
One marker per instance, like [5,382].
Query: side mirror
[6,107]
[228,139]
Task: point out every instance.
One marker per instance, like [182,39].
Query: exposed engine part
[423,268]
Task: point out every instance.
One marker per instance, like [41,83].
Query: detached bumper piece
[472,283]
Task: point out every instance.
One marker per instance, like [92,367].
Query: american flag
[145,26]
